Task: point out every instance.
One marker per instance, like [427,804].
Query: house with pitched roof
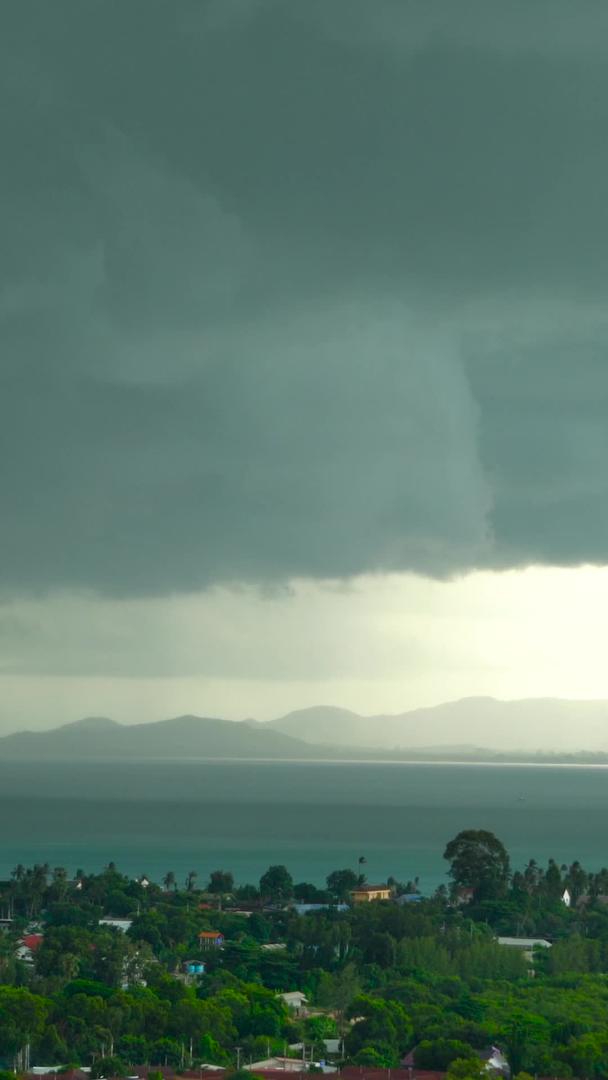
[210,939]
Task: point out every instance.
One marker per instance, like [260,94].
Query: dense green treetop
[386,979]
[479,861]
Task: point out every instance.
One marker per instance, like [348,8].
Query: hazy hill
[182,737]
[473,728]
[530,724]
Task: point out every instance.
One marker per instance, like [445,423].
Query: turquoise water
[181,816]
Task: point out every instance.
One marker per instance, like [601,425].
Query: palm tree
[190,879]
[60,881]
[34,886]
[169,880]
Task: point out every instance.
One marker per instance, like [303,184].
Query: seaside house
[294,999]
[278,1065]
[189,971]
[117,924]
[305,909]
[463,895]
[364,894]
[495,1061]
[210,939]
[193,967]
[524,945]
[27,946]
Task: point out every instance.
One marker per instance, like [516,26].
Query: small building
[409,898]
[306,909]
[52,1070]
[210,939]
[464,895]
[27,947]
[495,1061]
[32,941]
[294,999]
[364,894]
[117,924]
[334,1047]
[566,898]
[193,967]
[524,945]
[276,1064]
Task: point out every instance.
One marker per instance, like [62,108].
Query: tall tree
[479,861]
[341,882]
[220,881]
[276,884]
[190,880]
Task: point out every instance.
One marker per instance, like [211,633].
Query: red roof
[32,941]
[210,934]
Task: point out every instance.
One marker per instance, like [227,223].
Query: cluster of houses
[363,894]
[298,1062]
[297,1069]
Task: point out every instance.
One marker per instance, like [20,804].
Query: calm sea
[181,816]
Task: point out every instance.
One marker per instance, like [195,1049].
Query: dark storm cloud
[300,288]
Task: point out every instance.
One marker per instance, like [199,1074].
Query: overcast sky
[304,358]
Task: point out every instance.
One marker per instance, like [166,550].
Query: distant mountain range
[546,724]
[183,737]
[470,729]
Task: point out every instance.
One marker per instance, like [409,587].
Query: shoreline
[395,762]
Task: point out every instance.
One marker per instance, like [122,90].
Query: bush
[440,1053]
[108,1066]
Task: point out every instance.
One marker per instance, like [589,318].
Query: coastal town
[498,973]
[304,540]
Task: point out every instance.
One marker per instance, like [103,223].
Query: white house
[525,945]
[294,999]
[495,1061]
[288,1065]
[118,924]
[283,1063]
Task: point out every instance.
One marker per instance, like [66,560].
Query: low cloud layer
[287,291]
[379,644]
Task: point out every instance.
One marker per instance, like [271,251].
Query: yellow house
[363,894]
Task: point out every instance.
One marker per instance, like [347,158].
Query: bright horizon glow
[377,644]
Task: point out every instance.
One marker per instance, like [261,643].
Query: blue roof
[303,909]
